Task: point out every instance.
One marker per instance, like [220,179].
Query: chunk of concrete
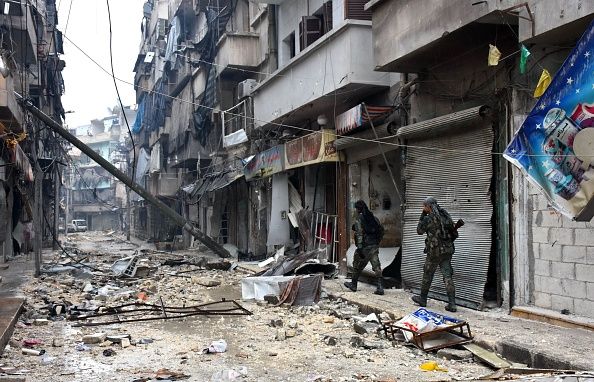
[454,354]
[95,338]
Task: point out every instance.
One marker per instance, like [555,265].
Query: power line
[118,92]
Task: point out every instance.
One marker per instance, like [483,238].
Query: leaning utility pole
[172,214]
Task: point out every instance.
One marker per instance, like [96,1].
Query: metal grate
[324,234]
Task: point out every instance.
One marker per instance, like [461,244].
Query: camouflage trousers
[365,255]
[445,266]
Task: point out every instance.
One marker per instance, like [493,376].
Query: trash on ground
[432,366]
[219,346]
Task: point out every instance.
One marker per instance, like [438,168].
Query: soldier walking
[441,232]
[368,235]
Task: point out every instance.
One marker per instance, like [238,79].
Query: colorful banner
[265,163]
[312,148]
[554,146]
[357,117]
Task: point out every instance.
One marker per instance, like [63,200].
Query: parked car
[77,225]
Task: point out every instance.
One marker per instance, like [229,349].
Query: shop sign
[265,164]
[312,148]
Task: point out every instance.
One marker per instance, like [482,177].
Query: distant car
[77,225]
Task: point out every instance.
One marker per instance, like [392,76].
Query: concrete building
[30,65]
[515,250]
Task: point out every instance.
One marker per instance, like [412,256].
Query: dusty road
[313,344]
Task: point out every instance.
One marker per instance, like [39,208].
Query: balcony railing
[237,122]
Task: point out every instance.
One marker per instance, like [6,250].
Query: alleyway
[311,343]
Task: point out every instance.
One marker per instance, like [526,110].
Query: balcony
[337,69]
[23,33]
[11,115]
[238,50]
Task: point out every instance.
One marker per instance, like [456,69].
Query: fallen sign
[428,330]
[136,312]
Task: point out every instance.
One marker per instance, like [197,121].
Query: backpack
[374,232]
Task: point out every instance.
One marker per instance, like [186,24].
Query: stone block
[573,288]
[561,236]
[536,250]
[568,223]
[560,303]
[584,237]
[589,255]
[574,254]
[96,338]
[542,300]
[550,252]
[584,272]
[550,219]
[562,270]
[454,354]
[542,267]
[540,234]
[585,308]
[547,284]
[590,291]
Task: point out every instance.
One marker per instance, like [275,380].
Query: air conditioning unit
[245,88]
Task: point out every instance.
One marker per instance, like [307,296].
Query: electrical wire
[115,83]
[398,145]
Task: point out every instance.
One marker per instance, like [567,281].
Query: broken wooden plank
[487,356]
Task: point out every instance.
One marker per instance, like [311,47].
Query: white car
[77,225]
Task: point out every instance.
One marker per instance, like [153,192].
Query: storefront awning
[266,163]
[213,182]
[356,117]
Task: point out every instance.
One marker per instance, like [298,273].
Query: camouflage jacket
[435,244]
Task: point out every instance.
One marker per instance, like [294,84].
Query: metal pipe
[172,214]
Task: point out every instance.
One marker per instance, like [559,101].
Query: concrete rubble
[331,340]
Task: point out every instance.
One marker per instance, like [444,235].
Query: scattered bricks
[560,303]
[573,254]
[454,354]
[540,235]
[57,343]
[584,237]
[542,267]
[125,343]
[365,328]
[550,252]
[563,270]
[328,320]
[584,273]
[561,236]
[40,322]
[573,288]
[290,333]
[281,335]
[95,338]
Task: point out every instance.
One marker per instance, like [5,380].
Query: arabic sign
[554,146]
[312,148]
[265,163]
[357,117]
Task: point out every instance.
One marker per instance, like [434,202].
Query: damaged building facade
[30,163]
[263,122]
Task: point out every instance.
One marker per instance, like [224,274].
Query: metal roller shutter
[460,181]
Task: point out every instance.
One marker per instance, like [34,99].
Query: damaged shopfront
[372,173]
[293,196]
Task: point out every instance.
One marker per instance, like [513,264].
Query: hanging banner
[357,117]
[20,159]
[554,147]
[265,163]
[312,148]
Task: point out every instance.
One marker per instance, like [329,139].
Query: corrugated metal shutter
[355,9]
[460,182]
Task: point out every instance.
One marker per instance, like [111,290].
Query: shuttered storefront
[460,180]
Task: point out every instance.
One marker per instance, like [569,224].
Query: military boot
[352,285]
[451,306]
[380,287]
[420,300]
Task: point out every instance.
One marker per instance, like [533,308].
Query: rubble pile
[326,341]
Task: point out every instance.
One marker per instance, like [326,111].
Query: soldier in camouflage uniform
[368,235]
[439,247]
